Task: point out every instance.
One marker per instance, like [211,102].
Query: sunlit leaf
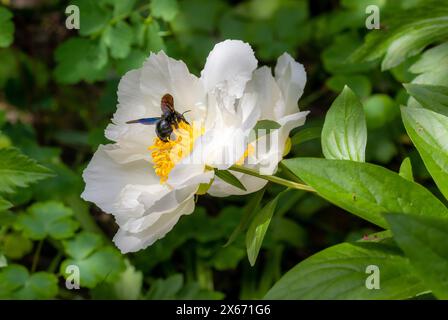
[339,272]
[344,135]
[429,132]
[359,188]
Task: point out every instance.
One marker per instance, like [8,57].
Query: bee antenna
[185,112]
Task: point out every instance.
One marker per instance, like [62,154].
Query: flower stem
[36,256]
[274,179]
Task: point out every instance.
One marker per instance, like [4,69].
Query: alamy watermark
[373,280]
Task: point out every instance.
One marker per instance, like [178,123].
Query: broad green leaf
[165,9]
[17,283]
[305,135]
[257,230]
[119,38]
[344,135]
[406,169]
[429,133]
[366,190]
[4,205]
[431,97]
[228,177]
[83,245]
[97,263]
[248,212]
[407,34]
[423,239]
[47,219]
[18,171]
[6,28]
[339,272]
[80,59]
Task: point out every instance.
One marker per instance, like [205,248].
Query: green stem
[274,179]
[36,256]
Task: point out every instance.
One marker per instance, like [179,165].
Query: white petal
[155,208]
[228,68]
[131,242]
[269,97]
[161,74]
[105,179]
[291,78]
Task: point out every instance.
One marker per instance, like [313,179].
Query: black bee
[168,119]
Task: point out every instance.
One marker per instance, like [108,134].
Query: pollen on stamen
[166,154]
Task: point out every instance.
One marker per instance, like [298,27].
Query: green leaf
[155,41]
[248,213]
[163,289]
[228,177]
[406,169]
[93,17]
[6,28]
[305,135]
[366,190]
[17,283]
[16,246]
[423,239]
[133,61]
[80,59]
[429,133]
[165,9]
[19,171]
[344,135]
[257,230]
[119,38]
[4,205]
[339,272]
[431,59]
[431,97]
[97,263]
[123,8]
[47,219]
[408,33]
[129,284]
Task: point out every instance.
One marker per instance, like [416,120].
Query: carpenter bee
[169,118]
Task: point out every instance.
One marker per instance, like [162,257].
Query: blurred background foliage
[58,93]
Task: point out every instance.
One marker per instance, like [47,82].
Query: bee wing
[167,103]
[146,121]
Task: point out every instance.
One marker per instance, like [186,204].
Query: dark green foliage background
[58,93]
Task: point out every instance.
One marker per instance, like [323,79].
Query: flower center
[166,154]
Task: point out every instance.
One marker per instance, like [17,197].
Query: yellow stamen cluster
[248,152]
[166,154]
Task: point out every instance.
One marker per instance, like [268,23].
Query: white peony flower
[147,184]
